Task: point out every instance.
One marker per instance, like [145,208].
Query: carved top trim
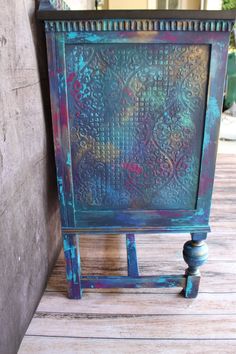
[107,25]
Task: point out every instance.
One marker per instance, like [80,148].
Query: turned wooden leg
[73,269]
[195,254]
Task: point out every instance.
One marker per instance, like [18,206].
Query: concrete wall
[29,218]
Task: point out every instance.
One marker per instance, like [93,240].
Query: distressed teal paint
[68,161]
[213,114]
[61,193]
[66,245]
[132,261]
[213,109]
[69,276]
[73,271]
[200,212]
[99,282]
[189,287]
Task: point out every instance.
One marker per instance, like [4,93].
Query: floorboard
[70,345]
[147,320]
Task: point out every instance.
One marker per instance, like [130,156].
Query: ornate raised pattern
[139,25]
[136,117]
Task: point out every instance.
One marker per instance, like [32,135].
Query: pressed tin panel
[136,116]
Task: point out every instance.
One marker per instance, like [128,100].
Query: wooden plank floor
[147,320]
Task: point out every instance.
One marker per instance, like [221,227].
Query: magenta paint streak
[128,91]
[71,77]
[64,118]
[75,87]
[132,167]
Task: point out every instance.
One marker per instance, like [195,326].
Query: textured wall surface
[29,218]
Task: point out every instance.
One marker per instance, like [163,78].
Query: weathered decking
[147,320]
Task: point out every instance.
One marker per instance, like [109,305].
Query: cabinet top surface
[49,12]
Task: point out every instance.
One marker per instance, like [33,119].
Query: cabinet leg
[73,269]
[195,254]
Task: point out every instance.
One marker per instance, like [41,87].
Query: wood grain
[134,326]
[147,320]
[55,345]
[217,276]
[146,303]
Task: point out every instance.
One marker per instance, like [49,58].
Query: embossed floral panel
[136,122]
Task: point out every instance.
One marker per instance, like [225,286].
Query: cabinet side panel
[136,116]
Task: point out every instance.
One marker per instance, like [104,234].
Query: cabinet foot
[73,269]
[195,254]
[192,286]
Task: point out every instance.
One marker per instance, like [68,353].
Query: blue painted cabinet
[136,103]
